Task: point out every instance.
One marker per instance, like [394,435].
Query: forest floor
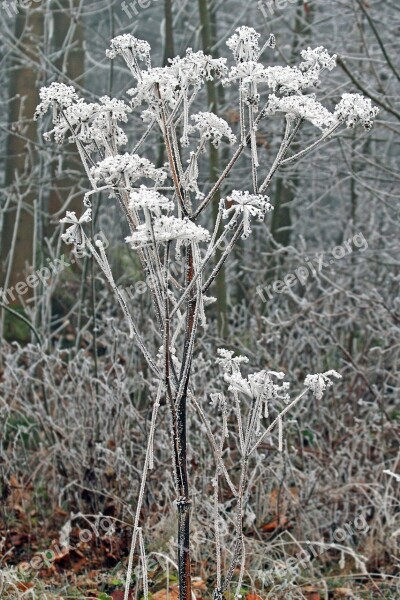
[34,565]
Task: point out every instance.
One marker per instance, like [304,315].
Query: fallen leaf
[173,594]
[199,584]
[311,593]
[343,593]
[119,595]
[23,587]
[253,597]
[274,524]
[19,539]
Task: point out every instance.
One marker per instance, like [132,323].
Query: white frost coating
[304,107]
[129,47]
[212,128]
[168,96]
[244,44]
[317,58]
[156,83]
[167,229]
[318,383]
[354,109]
[130,167]
[248,205]
[57,96]
[149,199]
[197,67]
[75,234]
[228,362]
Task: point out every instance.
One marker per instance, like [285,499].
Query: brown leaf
[198,584]
[311,593]
[23,587]
[119,595]
[173,594]
[19,539]
[274,524]
[253,597]
[343,593]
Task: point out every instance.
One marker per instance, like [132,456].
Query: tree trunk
[208,43]
[21,150]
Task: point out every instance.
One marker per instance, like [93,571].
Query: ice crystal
[355,109]
[130,48]
[285,80]
[166,229]
[249,205]
[289,80]
[76,115]
[244,44]
[249,73]
[263,386]
[126,169]
[319,382]
[57,96]
[228,362]
[75,234]
[116,109]
[192,175]
[304,107]
[212,128]
[197,67]
[155,85]
[317,58]
[91,122]
[259,385]
[149,199]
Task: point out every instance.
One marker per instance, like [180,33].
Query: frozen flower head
[167,229]
[244,44]
[91,122]
[318,383]
[301,107]
[57,96]
[289,80]
[131,49]
[263,386]
[197,67]
[150,200]
[126,169]
[212,128]
[354,109]
[249,73]
[76,116]
[249,205]
[75,233]
[228,362]
[317,58]
[156,85]
[258,386]
[116,109]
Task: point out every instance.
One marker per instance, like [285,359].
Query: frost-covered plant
[163,208]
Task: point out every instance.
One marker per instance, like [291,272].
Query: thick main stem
[184,502]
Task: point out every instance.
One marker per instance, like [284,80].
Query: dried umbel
[164,208]
[354,109]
